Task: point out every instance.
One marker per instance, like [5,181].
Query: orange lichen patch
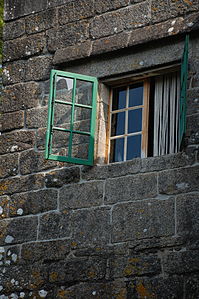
[65,212]
[188,2]
[143,292]
[53,276]
[121,294]
[64,294]
[37,279]
[74,244]
[4,187]
[27,254]
[154,8]
[134,260]
[91,274]
[107,41]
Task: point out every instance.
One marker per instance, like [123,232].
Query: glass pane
[62,116]
[82,119]
[117,150]
[80,146]
[133,147]
[118,124]
[64,89]
[134,120]
[136,95]
[84,92]
[60,143]
[119,98]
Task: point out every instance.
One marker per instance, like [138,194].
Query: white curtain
[166,114]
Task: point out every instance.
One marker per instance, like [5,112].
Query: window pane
[64,89]
[133,146]
[62,116]
[84,92]
[117,150]
[118,124]
[119,98]
[60,143]
[82,119]
[80,146]
[136,95]
[134,120]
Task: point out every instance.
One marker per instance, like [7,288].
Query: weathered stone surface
[31,161]
[24,47]
[10,121]
[187,215]
[36,117]
[106,5]
[67,35]
[20,96]
[40,21]
[114,290]
[21,184]
[134,266]
[4,206]
[192,101]
[131,188]
[75,10]
[58,178]
[191,286]
[162,10]
[16,141]
[91,227]
[143,219]
[32,202]
[108,44]
[14,72]
[55,225]
[14,29]
[182,262]
[45,251]
[38,68]
[8,165]
[57,2]
[179,180]
[86,195]
[159,288]
[192,132]
[72,52]
[19,230]
[18,8]
[115,22]
[80,269]
[41,138]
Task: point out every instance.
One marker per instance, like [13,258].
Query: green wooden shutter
[71,118]
[183,90]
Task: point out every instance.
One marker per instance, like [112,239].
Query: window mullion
[126,123]
[72,118]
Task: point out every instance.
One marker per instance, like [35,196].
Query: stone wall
[124,230]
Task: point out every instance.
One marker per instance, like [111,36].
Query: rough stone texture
[40,22]
[72,52]
[18,230]
[54,224]
[20,97]
[91,227]
[23,47]
[16,141]
[21,184]
[86,195]
[67,35]
[128,188]
[8,165]
[125,230]
[32,202]
[179,181]
[75,10]
[144,219]
[58,178]
[14,29]
[10,121]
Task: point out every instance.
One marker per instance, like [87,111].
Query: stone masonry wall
[125,230]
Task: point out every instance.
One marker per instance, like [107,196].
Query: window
[147,115]
[71,118]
